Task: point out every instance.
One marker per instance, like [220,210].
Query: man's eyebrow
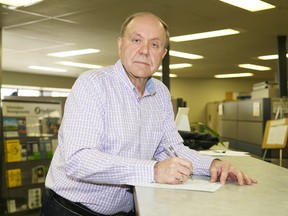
[133,34]
[138,34]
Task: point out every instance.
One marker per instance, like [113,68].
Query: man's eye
[155,45]
[136,40]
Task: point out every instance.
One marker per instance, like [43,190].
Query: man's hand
[172,171]
[223,170]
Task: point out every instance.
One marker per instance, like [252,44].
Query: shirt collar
[149,86]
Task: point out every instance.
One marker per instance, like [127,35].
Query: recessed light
[73,53]
[184,55]
[203,35]
[234,75]
[254,67]
[18,3]
[81,65]
[178,66]
[60,70]
[159,74]
[270,57]
[250,5]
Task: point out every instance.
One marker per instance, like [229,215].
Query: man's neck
[138,82]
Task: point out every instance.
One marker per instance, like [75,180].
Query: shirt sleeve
[201,164]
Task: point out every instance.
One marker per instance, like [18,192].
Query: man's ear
[119,45]
[165,51]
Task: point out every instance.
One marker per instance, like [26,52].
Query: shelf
[28,157]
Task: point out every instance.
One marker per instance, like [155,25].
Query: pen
[173,152]
[169,148]
[219,151]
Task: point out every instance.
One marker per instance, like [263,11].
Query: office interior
[30,34]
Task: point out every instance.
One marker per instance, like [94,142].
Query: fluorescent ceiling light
[184,55]
[73,53]
[18,3]
[36,88]
[81,65]
[47,69]
[217,33]
[235,75]
[270,57]
[250,5]
[159,74]
[177,66]
[254,67]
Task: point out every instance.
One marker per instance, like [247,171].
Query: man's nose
[144,49]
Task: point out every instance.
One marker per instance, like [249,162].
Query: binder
[12,150]
[14,178]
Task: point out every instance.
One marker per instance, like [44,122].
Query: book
[34,198]
[11,206]
[12,150]
[50,126]
[45,148]
[22,132]
[10,127]
[13,178]
[38,174]
[33,126]
[9,134]
[48,149]
[10,124]
[23,152]
[32,150]
[14,127]
[42,150]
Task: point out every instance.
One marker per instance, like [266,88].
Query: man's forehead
[140,26]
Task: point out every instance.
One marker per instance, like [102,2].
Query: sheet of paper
[277,134]
[223,153]
[194,184]
[33,126]
[256,109]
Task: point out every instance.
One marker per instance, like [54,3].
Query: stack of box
[266,89]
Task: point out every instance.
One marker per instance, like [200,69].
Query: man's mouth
[141,62]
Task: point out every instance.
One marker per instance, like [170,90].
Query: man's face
[141,49]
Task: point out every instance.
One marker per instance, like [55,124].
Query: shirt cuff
[203,165]
[144,171]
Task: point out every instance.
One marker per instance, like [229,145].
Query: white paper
[182,120]
[276,134]
[191,184]
[277,122]
[223,153]
[33,126]
[220,109]
[256,109]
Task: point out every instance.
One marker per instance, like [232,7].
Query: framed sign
[275,136]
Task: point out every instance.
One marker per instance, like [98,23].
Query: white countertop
[268,197]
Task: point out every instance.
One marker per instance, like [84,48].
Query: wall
[198,92]
[25,79]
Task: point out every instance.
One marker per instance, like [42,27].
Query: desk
[268,197]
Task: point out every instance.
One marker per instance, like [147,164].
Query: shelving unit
[29,130]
